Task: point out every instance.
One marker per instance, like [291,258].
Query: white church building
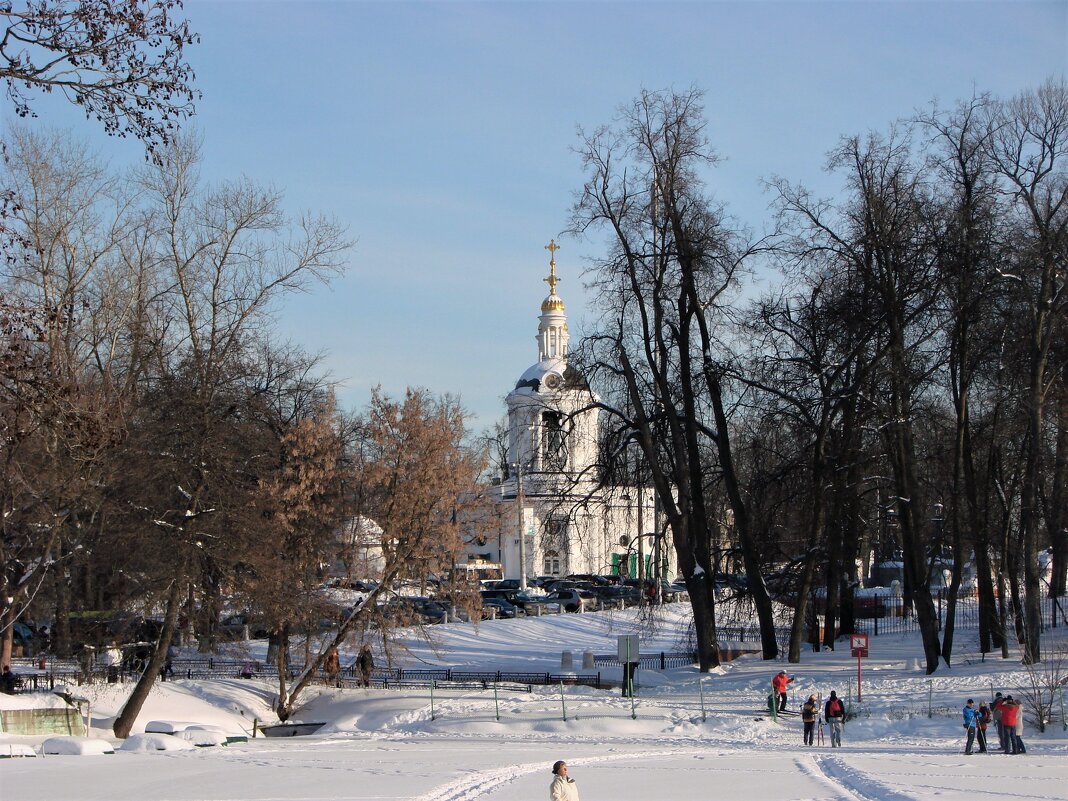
[555,518]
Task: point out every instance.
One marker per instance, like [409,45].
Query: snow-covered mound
[145,743]
[76,746]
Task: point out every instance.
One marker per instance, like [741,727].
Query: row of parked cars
[500,599]
[575,593]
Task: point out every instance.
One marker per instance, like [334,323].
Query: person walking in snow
[971,721]
[779,684]
[809,714]
[563,787]
[834,714]
[332,664]
[366,663]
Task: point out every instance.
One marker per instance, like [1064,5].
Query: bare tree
[1028,147]
[229,253]
[970,249]
[672,259]
[807,363]
[61,376]
[122,61]
[882,234]
[419,483]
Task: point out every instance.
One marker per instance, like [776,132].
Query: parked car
[728,582]
[571,584]
[572,600]
[630,596]
[589,578]
[534,604]
[411,610]
[499,607]
[674,591]
[434,611]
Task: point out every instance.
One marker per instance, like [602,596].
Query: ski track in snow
[852,783]
[474,786]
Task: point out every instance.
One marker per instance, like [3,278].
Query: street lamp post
[641,550]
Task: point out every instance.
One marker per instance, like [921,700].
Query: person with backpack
[809,713]
[834,713]
[983,720]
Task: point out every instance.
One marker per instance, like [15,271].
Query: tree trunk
[283,706]
[126,719]
[750,557]
[7,642]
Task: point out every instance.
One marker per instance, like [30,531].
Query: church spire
[552,280]
[552,330]
[553,302]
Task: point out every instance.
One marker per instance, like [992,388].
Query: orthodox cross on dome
[552,280]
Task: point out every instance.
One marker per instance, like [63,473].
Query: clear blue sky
[441,134]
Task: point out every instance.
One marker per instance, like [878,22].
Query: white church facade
[555,517]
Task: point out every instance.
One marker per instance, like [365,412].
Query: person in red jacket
[1010,711]
[779,684]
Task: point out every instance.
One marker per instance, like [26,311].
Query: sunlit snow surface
[384,744]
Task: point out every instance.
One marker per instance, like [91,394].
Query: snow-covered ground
[687,736]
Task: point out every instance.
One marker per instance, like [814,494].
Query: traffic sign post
[859,644]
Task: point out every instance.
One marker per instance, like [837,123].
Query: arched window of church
[554,442]
[551,563]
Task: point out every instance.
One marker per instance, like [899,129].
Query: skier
[779,685]
[971,721]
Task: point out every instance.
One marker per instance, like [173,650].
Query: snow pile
[8,750]
[202,738]
[76,746]
[150,743]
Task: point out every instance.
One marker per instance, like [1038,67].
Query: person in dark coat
[8,681]
[834,714]
[810,711]
[366,663]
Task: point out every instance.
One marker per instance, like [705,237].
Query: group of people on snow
[1006,715]
[1004,712]
[833,710]
[833,713]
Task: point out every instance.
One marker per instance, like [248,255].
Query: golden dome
[552,303]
